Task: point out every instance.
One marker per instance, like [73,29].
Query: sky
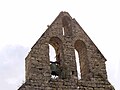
[22,22]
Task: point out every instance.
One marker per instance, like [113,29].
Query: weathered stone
[66,36]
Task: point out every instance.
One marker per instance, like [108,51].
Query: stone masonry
[66,36]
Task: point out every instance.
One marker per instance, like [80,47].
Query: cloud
[12,66]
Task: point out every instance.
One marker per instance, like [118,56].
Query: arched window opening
[77,64]
[55,47]
[84,63]
[66,23]
[56,43]
[53,64]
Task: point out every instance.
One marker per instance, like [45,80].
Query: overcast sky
[22,22]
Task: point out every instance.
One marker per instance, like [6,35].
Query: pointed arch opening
[81,49]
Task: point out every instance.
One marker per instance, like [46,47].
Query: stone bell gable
[65,35]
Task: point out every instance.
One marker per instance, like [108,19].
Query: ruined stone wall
[66,36]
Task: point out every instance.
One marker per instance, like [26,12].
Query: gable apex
[66,37]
